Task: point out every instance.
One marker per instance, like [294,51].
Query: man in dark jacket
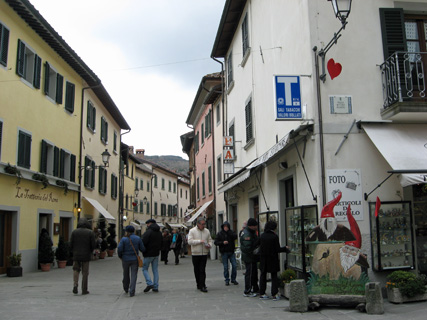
[152,239]
[269,260]
[82,244]
[225,241]
[248,242]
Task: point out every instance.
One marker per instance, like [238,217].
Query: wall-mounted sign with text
[288,97]
[340,104]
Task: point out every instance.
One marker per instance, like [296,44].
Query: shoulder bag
[140,262]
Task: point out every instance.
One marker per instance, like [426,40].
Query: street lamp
[342,9]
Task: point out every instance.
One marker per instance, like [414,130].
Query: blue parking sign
[288,97]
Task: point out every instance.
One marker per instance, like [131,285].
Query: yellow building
[42,83]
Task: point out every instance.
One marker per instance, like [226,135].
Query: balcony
[404,87]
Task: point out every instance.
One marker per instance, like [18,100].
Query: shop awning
[100,208]
[404,147]
[199,212]
[188,213]
[176,225]
[238,178]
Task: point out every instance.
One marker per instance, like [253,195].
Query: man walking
[82,244]
[225,241]
[152,239]
[199,238]
[248,242]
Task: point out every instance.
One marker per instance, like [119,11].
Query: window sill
[245,57]
[249,144]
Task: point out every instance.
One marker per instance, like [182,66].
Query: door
[420,220]
[64,228]
[5,239]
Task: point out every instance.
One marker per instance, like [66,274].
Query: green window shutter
[100,188]
[73,168]
[59,88]
[148,207]
[248,115]
[46,78]
[24,149]
[112,186]
[92,185]
[4,44]
[102,129]
[43,158]
[61,163]
[93,117]
[20,59]
[393,30]
[37,71]
[69,97]
[136,184]
[55,161]
[210,179]
[87,162]
[1,135]
[89,115]
[141,207]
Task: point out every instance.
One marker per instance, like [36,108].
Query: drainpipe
[121,185]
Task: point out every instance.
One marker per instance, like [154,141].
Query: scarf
[174,238]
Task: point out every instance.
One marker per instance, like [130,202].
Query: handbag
[140,262]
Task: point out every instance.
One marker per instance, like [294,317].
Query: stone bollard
[298,296]
[374,298]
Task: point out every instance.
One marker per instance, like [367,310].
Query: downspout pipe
[121,185]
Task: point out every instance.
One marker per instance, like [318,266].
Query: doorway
[64,228]
[420,219]
[5,239]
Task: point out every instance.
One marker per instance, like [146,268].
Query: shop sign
[288,97]
[27,194]
[348,181]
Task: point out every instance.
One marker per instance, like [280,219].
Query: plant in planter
[42,178]
[15,269]
[62,252]
[111,239]
[46,253]
[63,184]
[285,278]
[14,171]
[403,286]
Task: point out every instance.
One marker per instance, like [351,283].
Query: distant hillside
[174,163]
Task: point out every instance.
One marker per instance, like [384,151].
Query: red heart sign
[334,69]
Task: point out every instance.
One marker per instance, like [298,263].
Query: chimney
[140,152]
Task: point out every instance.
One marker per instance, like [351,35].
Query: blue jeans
[154,261]
[232,257]
[130,274]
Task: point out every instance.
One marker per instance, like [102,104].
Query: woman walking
[128,249]
[166,244]
[176,244]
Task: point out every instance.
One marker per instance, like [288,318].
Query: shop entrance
[64,228]
[420,216]
[5,239]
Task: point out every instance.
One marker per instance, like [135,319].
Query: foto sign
[288,97]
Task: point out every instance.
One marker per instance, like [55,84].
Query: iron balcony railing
[403,77]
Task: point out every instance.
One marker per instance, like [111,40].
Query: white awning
[176,225]
[136,225]
[189,212]
[199,212]
[100,208]
[161,225]
[271,152]
[239,178]
[403,146]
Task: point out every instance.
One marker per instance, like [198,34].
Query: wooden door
[5,239]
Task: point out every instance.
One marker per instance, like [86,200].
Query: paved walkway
[47,295]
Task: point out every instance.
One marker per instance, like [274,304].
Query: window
[248,117]
[196,142]
[230,70]
[24,149]
[4,44]
[163,209]
[203,185]
[170,210]
[231,133]
[91,116]
[49,160]
[115,142]
[148,186]
[148,208]
[219,168]
[186,194]
[218,114]
[170,186]
[163,184]
[53,83]
[210,180]
[136,184]
[174,187]
[198,189]
[114,184]
[70,89]
[203,133]
[155,208]
[245,35]
[28,65]
[104,131]
[89,173]
[127,202]
[67,165]
[142,185]
[208,127]
[141,206]
[102,180]
[155,181]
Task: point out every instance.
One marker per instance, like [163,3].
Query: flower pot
[15,271]
[102,254]
[62,264]
[110,252]
[395,296]
[45,266]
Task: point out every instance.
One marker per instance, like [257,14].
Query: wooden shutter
[112,186]
[24,149]
[55,161]
[20,59]
[4,44]
[61,163]
[92,184]
[59,88]
[69,97]
[43,158]
[46,78]
[37,71]
[248,115]
[73,168]
[87,172]
[393,30]
[102,129]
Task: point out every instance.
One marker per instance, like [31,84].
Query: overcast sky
[150,55]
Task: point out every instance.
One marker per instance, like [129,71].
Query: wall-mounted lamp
[105,159]
[145,201]
[136,193]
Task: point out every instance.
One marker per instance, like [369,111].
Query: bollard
[374,298]
[298,296]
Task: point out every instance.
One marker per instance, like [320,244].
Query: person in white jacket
[199,238]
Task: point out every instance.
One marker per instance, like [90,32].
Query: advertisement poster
[348,181]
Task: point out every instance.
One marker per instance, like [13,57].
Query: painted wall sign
[28,195]
[348,181]
[229,155]
[288,97]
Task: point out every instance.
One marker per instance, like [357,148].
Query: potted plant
[42,178]
[285,279]
[13,170]
[15,269]
[62,252]
[103,234]
[111,239]
[404,286]
[46,253]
